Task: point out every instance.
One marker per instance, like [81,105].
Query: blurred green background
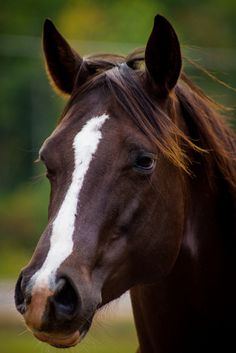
[29,108]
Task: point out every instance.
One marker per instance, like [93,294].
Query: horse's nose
[65,302]
[38,305]
[21,296]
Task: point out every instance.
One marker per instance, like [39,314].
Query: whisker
[41,175]
[38,160]
[23,332]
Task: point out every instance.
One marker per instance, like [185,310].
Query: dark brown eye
[145,163]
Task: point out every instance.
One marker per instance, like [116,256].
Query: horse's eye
[145,163]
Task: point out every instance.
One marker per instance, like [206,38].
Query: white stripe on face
[85,145]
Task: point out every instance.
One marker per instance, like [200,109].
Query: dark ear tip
[48,25]
[159,17]
[161,20]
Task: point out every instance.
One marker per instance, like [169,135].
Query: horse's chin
[60,341]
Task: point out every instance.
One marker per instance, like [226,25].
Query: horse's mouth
[60,341]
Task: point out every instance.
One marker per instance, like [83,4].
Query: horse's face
[109,228]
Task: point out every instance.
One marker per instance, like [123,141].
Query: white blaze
[85,145]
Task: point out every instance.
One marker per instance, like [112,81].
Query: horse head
[116,212]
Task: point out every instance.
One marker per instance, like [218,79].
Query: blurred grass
[115,337]
[12,260]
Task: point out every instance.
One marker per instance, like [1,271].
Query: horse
[142,171]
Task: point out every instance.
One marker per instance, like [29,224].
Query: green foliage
[26,16]
[119,20]
[23,215]
[12,260]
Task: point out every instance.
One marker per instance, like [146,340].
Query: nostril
[66,299]
[19,296]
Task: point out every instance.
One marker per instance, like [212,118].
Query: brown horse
[143,184]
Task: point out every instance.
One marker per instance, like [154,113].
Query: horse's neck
[209,221]
[186,311]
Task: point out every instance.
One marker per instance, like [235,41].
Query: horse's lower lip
[59,341]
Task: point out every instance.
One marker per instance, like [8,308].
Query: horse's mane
[207,134]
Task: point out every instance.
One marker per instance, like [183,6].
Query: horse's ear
[62,61]
[163,57]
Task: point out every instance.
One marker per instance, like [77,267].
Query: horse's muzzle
[57,341]
[51,313]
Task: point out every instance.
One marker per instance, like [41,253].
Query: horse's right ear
[163,57]
[62,61]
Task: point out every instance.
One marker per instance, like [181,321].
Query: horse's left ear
[62,61]
[163,57]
